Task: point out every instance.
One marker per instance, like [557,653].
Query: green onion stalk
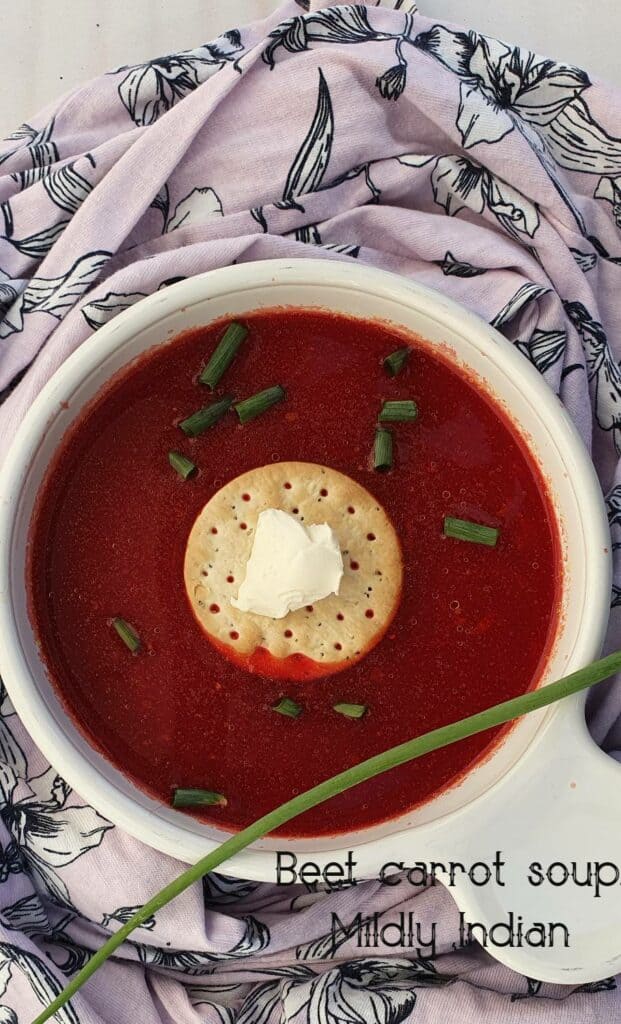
[497,715]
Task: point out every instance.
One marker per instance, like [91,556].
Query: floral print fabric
[352,132]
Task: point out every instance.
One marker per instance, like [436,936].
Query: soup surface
[109,535]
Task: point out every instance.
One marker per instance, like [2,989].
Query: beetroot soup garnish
[288,707]
[256,405]
[223,355]
[127,634]
[184,467]
[394,363]
[462,529]
[402,411]
[382,450]
[198,798]
[207,417]
[350,710]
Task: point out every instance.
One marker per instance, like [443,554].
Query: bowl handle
[556,821]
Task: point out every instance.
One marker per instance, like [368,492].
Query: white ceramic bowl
[496,783]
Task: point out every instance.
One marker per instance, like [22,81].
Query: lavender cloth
[358,132]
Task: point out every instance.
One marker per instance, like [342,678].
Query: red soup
[473,625]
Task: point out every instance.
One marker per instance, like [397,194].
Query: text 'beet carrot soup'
[272,548]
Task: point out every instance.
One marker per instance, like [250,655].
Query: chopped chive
[257,404]
[399,412]
[184,467]
[394,363]
[382,454]
[206,417]
[223,355]
[288,707]
[198,798]
[462,529]
[350,710]
[127,634]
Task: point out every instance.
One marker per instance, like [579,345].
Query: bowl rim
[28,702]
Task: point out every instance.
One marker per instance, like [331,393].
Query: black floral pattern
[501,85]
[311,160]
[39,976]
[99,311]
[392,83]
[459,183]
[195,208]
[67,187]
[346,24]
[533,989]
[603,372]
[526,294]
[220,889]
[452,267]
[256,938]
[37,145]
[505,89]
[361,990]
[122,915]
[151,89]
[54,295]
[49,832]
[544,348]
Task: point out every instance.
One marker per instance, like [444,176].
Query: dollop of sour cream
[290,566]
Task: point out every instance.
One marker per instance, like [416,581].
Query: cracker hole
[243,526]
[288,634]
[287,486]
[340,616]
[204,572]
[351,509]
[323,492]
[338,647]
[369,613]
[309,608]
[370,536]
[245,497]
[230,579]
[214,529]
[354,566]
[234,635]
[214,608]
[295,511]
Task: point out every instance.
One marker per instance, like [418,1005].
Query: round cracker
[339,629]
